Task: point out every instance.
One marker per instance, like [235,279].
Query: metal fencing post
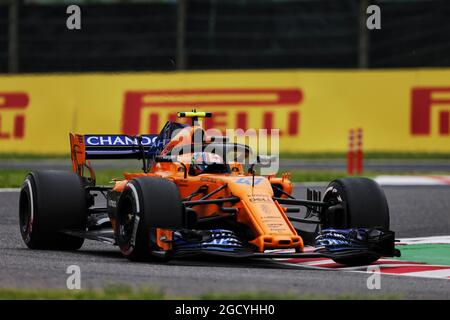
[363,35]
[13,36]
[181,35]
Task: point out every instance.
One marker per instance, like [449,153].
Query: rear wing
[86,147]
[113,146]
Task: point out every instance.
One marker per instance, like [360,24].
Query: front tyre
[364,205]
[52,201]
[147,203]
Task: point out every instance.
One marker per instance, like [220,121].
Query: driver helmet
[202,160]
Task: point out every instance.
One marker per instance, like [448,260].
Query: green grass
[13,178]
[368,155]
[318,176]
[283,155]
[105,176]
[124,292]
[115,292]
[34,156]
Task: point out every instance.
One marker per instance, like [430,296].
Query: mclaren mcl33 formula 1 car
[197,195]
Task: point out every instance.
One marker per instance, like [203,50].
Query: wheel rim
[127,222]
[333,196]
[26,211]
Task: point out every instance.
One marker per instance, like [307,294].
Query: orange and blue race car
[199,195]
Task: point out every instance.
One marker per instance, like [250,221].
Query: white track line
[412,180]
[9,190]
[441,274]
[426,240]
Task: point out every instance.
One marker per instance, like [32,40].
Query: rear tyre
[147,203]
[51,201]
[365,207]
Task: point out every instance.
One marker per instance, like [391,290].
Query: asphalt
[415,211]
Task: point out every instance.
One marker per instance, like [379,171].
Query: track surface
[415,211]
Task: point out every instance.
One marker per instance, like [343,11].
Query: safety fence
[212,34]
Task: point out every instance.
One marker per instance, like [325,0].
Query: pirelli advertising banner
[398,110]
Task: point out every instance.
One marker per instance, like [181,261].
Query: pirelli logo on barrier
[12,115]
[399,110]
[146,111]
[430,107]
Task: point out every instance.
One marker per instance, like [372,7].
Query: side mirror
[166,158]
[265,161]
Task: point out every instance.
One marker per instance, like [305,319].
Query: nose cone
[266,217]
[250,185]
